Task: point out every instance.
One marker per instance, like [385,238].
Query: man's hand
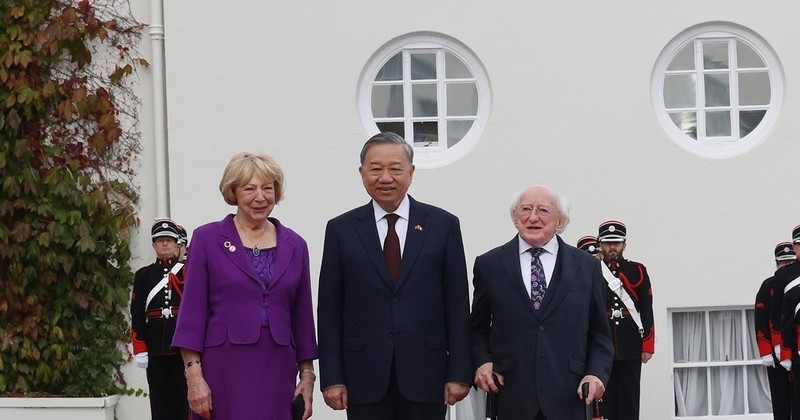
[455,392]
[596,388]
[335,397]
[768,361]
[484,378]
[646,357]
[141,359]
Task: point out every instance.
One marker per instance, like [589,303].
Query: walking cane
[585,394]
[491,402]
[491,406]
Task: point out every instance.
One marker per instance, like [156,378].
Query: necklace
[256,251]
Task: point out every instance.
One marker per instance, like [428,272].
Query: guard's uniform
[788,278]
[621,399]
[779,379]
[155,302]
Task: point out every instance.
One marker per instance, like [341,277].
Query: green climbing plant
[68,147]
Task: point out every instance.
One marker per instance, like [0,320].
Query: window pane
[684,60]
[455,68]
[686,122]
[751,348]
[691,392]
[392,70]
[758,394]
[727,390]
[387,101]
[423,66]
[424,100]
[426,134]
[754,88]
[456,130]
[679,91]
[747,57]
[749,120]
[726,335]
[462,99]
[718,124]
[715,55]
[717,90]
[689,336]
[394,127]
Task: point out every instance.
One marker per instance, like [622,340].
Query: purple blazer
[223,297]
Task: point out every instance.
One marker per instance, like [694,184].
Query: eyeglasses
[541,211]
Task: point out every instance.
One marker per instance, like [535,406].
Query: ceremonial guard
[155,301]
[183,243]
[590,245]
[780,384]
[787,278]
[629,307]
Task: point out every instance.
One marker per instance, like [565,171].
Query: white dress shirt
[401,226]
[548,259]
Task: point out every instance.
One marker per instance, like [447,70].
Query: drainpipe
[159,107]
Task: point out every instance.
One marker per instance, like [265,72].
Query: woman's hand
[306,389]
[199,394]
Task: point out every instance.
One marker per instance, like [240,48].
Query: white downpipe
[159,107]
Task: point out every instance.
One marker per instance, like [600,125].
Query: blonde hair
[243,167]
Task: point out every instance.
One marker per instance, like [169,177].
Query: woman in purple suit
[245,326]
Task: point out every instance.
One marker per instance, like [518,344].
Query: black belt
[618,313]
[170,312]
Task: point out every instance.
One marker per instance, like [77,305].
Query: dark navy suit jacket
[542,355]
[366,323]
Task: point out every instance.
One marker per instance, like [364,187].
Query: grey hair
[387,137]
[562,202]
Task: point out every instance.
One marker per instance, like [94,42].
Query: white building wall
[571,108]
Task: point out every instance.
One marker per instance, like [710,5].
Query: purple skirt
[254,381]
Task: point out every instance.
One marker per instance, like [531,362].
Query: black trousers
[394,406]
[781,389]
[621,399]
[167,388]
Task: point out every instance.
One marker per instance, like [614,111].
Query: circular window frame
[428,40]
[728,149]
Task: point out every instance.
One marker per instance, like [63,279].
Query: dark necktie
[391,247]
[538,282]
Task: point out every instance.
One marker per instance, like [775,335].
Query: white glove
[141,360]
[787,364]
[778,351]
[768,361]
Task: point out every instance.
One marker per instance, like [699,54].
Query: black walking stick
[585,394]
[491,402]
[491,406]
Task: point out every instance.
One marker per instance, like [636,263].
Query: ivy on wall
[68,147]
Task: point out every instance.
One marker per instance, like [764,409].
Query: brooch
[229,245]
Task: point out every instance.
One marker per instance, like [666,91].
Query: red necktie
[391,247]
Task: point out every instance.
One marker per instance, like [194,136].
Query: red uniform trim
[139,346]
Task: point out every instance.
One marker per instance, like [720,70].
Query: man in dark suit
[538,316]
[393,299]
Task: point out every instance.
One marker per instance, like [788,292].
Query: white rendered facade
[570,107]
